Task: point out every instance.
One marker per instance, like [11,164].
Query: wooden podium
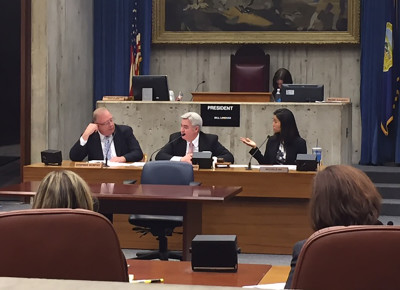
[254,97]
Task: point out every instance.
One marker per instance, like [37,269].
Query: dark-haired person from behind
[341,196]
[281,76]
[284,145]
[105,140]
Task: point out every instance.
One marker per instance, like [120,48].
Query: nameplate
[89,165]
[220,115]
[196,167]
[222,165]
[116,98]
[274,169]
[338,100]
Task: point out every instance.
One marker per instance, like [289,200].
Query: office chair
[161,226]
[250,70]
[353,257]
[59,243]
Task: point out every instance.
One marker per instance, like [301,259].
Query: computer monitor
[150,88]
[302,93]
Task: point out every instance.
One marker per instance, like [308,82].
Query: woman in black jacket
[284,145]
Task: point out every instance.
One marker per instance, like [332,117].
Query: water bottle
[179,97]
[278,95]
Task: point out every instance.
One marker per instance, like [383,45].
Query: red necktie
[191,147]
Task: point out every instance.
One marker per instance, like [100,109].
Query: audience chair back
[60,244]
[250,69]
[167,172]
[354,257]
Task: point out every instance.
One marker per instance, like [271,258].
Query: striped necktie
[107,149]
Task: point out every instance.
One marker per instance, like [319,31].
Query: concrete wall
[62,76]
[62,72]
[335,66]
[314,121]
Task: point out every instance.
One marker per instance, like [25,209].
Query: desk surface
[272,206]
[232,97]
[182,200]
[175,272]
[253,182]
[144,192]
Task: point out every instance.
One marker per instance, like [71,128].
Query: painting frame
[161,36]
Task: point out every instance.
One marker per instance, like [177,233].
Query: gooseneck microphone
[108,149]
[180,136]
[200,83]
[258,149]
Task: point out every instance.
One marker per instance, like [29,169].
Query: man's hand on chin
[118,159]
[187,158]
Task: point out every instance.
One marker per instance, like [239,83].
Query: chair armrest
[194,183]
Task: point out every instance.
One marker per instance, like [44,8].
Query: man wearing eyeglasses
[105,140]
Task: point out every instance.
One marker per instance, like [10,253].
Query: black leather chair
[161,226]
[250,69]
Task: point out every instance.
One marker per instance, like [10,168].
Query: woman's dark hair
[281,74]
[343,196]
[289,131]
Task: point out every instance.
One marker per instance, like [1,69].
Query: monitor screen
[302,93]
[150,88]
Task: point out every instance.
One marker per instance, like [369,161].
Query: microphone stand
[197,88]
[258,149]
[180,136]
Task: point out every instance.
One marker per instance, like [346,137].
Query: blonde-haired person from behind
[63,189]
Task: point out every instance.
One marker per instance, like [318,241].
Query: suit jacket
[298,146]
[295,255]
[125,145]
[207,142]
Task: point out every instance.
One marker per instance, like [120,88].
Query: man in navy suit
[105,140]
[191,139]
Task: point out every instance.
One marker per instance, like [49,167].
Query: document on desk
[267,286]
[290,167]
[118,164]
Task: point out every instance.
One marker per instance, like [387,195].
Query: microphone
[108,149]
[180,136]
[258,149]
[200,83]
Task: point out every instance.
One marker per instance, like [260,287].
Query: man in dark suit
[103,140]
[191,139]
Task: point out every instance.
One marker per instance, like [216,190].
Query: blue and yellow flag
[390,74]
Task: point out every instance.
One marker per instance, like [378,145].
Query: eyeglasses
[106,123]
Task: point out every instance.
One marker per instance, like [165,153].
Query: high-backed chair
[354,257]
[250,69]
[60,244]
[161,226]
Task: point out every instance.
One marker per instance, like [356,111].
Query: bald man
[104,139]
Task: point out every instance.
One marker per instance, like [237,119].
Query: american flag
[135,49]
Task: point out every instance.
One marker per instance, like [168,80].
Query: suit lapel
[117,141]
[201,142]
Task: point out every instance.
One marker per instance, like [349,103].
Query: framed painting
[256,21]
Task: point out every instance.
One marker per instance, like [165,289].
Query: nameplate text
[89,165]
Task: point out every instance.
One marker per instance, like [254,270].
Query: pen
[147,281]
